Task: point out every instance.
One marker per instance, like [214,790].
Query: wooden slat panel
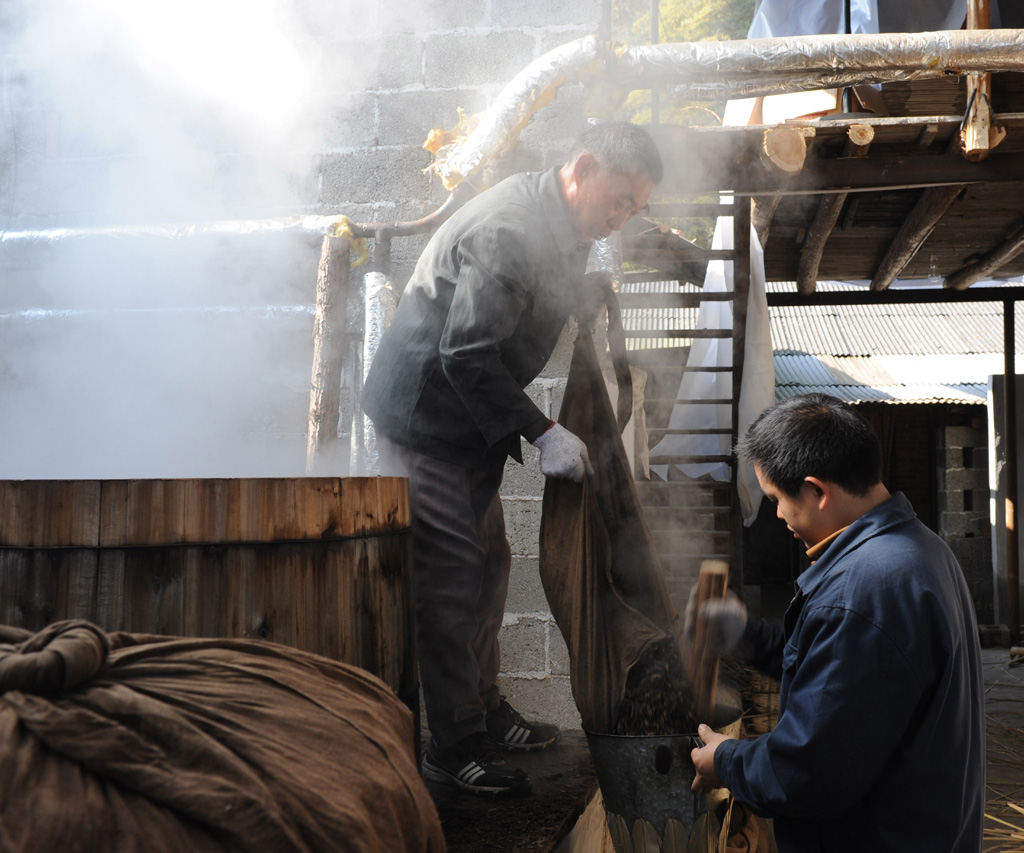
[49,512]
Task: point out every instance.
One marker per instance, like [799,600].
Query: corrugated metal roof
[912,353]
[866,379]
[908,329]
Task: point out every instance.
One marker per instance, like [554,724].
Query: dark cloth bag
[598,563]
[144,743]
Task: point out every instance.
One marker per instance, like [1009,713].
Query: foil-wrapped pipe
[754,67]
[313,228]
[728,69]
[380,302]
[532,88]
[607,256]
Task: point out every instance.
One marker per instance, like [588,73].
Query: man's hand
[593,297]
[563,454]
[706,779]
[725,619]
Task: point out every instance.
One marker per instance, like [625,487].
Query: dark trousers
[461,562]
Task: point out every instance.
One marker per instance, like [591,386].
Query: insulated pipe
[728,69]
[754,67]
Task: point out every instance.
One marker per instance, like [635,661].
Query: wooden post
[323,454]
[712,584]
[1010,461]
[977,135]
[858,142]
[741,299]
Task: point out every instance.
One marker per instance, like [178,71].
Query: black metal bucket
[647,778]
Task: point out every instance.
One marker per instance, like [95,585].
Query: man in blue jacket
[477,322]
[880,740]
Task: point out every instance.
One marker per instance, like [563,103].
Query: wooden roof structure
[873,197]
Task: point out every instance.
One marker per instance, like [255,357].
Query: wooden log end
[785,148]
[861,134]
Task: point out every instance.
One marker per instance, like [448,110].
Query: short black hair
[814,435]
[620,146]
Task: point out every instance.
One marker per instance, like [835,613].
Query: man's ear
[583,166]
[821,488]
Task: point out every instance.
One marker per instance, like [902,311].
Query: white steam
[162,357]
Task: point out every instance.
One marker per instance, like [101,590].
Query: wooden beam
[857,175]
[979,134]
[762,211]
[1011,246]
[322,450]
[921,221]
[1010,461]
[858,142]
[928,134]
[929,209]
[894,296]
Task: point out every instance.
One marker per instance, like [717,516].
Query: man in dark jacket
[880,740]
[477,322]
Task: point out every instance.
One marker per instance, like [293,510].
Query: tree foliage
[679,21]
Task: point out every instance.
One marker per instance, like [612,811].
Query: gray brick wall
[963,504]
[390,73]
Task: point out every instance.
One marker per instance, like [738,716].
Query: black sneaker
[474,765]
[514,734]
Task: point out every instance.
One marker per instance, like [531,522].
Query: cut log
[712,584]
[858,142]
[785,147]
[322,450]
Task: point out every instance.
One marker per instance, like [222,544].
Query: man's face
[605,200]
[802,512]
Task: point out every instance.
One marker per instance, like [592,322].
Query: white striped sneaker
[474,765]
[512,733]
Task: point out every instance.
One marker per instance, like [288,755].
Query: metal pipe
[386,230]
[754,67]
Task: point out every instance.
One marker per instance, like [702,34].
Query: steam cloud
[159,357]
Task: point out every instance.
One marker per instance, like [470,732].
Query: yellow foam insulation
[439,138]
[343,228]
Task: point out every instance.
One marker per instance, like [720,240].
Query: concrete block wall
[963,504]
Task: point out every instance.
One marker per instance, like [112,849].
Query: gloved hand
[726,620]
[562,454]
[593,296]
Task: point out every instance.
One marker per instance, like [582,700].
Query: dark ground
[564,783]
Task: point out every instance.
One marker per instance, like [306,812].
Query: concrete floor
[564,784]
[1004,706]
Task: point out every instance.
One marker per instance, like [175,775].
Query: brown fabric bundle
[602,575]
[129,742]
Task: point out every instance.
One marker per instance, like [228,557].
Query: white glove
[562,454]
[725,618]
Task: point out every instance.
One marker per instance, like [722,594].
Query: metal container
[646,779]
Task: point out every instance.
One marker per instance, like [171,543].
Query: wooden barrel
[321,564]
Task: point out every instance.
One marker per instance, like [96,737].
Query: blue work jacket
[880,740]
